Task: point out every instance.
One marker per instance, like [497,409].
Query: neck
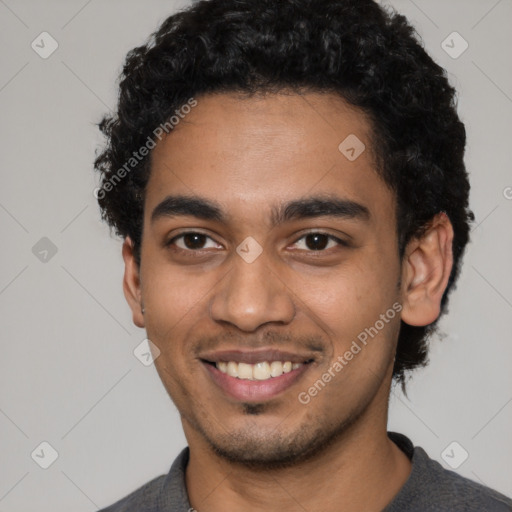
[361,470]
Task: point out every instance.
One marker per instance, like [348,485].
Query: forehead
[252,153]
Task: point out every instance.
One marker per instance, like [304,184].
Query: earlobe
[426,268]
[131,283]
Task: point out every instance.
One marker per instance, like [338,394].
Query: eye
[318,242]
[193,241]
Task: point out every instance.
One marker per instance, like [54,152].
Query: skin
[250,156]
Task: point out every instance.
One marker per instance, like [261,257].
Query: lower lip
[254,390]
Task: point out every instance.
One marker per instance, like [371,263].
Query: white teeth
[276,368]
[232,369]
[245,371]
[259,371]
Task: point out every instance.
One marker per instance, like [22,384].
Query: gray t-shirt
[429,488]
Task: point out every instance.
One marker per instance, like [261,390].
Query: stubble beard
[261,450]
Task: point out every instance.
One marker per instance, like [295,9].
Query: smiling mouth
[259,371]
[255,382]
[256,375]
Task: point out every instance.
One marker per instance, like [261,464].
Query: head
[320,140]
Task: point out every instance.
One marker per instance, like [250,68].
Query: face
[267,255]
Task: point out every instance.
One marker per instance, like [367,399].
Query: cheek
[352,297]
[348,305]
[176,309]
[172,298]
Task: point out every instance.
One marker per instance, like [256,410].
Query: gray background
[68,375]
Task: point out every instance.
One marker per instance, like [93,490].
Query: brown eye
[193,241]
[318,242]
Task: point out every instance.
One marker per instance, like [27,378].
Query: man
[288,177]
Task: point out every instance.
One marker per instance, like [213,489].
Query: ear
[131,283]
[426,268]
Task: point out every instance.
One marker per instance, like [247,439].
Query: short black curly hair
[368,55]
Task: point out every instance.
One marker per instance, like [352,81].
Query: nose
[251,295]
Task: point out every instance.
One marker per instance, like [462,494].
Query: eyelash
[330,237]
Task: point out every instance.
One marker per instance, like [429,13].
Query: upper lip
[255,356]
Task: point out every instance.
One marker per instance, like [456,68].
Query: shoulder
[163,493]
[144,498]
[457,493]
[432,488]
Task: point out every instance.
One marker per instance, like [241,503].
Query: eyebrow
[305,208]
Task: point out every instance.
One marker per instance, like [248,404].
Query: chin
[258,448]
